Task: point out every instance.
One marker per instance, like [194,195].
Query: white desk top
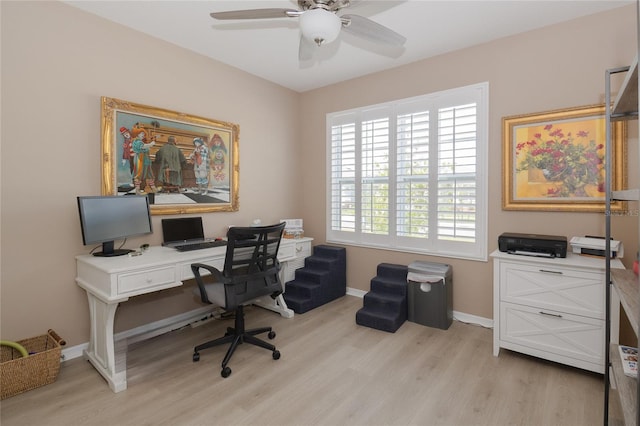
[153,256]
[161,256]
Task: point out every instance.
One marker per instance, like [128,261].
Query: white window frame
[477,94]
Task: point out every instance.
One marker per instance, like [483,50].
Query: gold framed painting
[185,163]
[555,161]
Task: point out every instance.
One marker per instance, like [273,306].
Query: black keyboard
[200,245]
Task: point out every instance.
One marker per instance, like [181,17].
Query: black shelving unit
[623,282]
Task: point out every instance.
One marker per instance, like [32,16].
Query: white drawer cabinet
[551,308]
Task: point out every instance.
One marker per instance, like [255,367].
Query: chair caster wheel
[271,335]
[226,372]
[196,357]
[276,354]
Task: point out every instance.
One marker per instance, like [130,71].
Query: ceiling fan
[320,23]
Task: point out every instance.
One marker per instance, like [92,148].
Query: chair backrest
[251,264]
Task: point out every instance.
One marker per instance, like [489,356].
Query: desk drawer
[147,280]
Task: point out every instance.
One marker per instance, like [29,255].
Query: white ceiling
[268,48]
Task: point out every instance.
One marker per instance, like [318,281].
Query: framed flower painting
[555,160]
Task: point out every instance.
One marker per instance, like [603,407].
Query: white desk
[111,280]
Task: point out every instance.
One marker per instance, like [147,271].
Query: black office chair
[251,270]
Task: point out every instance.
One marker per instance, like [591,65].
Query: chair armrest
[195,268]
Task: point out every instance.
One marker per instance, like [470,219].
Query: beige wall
[556,67]
[58,61]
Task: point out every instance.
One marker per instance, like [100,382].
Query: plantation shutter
[412,202]
[411,175]
[375,176]
[343,175]
[456,201]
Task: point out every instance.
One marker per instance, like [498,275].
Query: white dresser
[551,308]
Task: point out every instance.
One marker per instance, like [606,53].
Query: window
[411,175]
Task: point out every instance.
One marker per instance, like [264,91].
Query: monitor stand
[109,251]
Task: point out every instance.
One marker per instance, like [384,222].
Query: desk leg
[101,351]
[276,305]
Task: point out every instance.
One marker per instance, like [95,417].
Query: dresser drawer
[143,281]
[537,331]
[556,288]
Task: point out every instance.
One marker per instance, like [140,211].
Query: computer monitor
[104,219]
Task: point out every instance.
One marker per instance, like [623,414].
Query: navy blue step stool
[323,278]
[385,305]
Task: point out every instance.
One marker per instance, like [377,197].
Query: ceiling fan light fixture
[320,26]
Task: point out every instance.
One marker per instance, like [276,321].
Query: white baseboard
[473,319]
[147,331]
[355,292]
[74,351]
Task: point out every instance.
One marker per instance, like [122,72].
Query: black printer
[533,244]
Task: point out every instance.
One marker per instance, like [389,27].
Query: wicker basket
[19,374]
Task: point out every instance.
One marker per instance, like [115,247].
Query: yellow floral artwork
[556,160]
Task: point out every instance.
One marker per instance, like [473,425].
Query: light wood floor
[332,372]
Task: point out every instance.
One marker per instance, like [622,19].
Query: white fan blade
[256,14]
[366,28]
